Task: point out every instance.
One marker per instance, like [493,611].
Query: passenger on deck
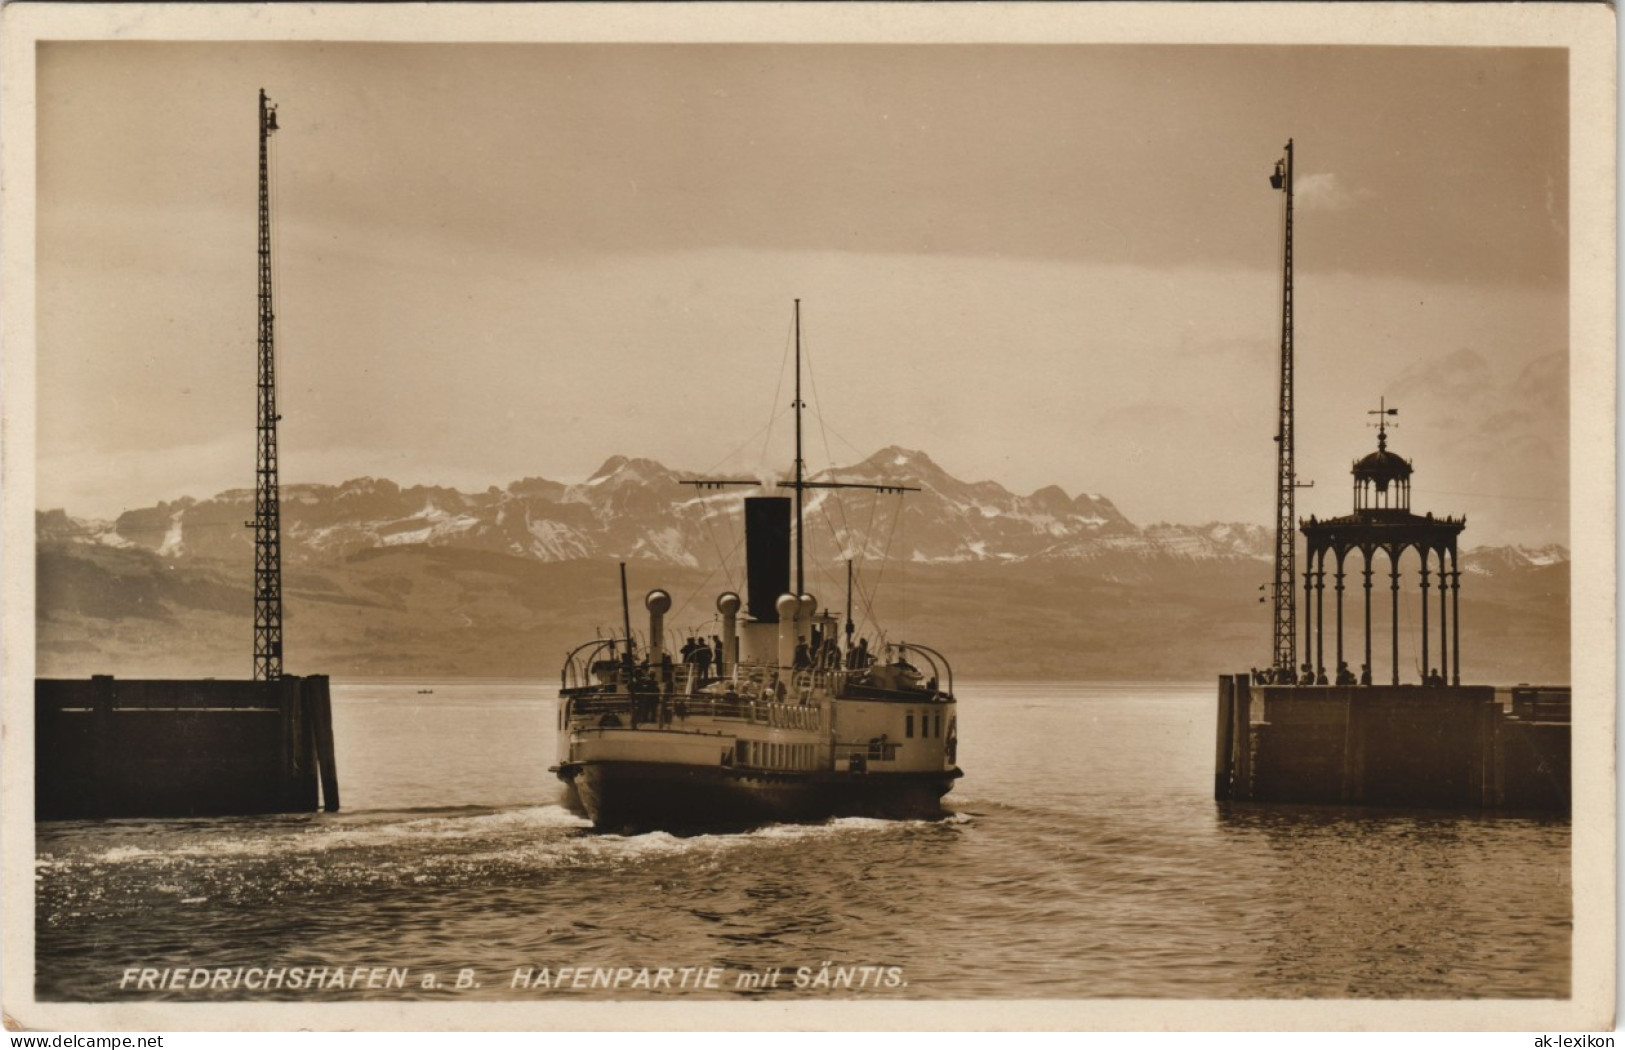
[1320,677]
[858,658]
[1365,674]
[702,657]
[1306,675]
[803,655]
[1344,675]
[716,652]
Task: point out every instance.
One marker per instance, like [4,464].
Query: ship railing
[876,750]
[941,672]
[784,684]
[652,710]
[582,667]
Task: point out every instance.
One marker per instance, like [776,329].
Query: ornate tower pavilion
[1383,521]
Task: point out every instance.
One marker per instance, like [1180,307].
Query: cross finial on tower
[1382,413]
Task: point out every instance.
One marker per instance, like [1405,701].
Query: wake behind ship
[780,717]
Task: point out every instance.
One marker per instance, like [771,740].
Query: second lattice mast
[267,523]
[1285,651]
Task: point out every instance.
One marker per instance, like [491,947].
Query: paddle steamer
[782,718]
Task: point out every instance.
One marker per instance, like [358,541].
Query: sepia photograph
[1041,516]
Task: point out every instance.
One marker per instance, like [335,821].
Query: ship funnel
[658,603]
[786,609]
[728,605]
[767,554]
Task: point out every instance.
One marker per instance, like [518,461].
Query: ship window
[908,725]
[936,730]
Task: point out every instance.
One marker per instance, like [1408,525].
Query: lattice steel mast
[267,523]
[1286,660]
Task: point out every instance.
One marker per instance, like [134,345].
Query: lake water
[1084,858]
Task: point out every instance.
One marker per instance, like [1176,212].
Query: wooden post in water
[296,790]
[1222,737]
[319,709]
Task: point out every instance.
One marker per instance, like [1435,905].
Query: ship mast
[267,523]
[1286,482]
[800,484]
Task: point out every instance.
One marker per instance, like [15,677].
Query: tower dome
[1382,479]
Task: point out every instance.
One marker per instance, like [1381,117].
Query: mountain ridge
[428,580]
[637,509]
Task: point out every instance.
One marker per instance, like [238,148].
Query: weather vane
[1382,413]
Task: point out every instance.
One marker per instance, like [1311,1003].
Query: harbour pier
[108,747]
[1301,731]
[1407,746]
[111,747]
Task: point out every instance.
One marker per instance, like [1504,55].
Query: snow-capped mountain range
[639,510]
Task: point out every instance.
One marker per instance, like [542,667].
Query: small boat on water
[781,717]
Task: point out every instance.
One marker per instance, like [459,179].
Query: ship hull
[633,796]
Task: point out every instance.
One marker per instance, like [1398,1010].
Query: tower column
[1393,572]
[1339,582]
[1367,574]
[1308,612]
[1320,616]
[1423,553]
[1455,618]
[1444,634]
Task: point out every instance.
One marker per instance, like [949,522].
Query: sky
[1041,264]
